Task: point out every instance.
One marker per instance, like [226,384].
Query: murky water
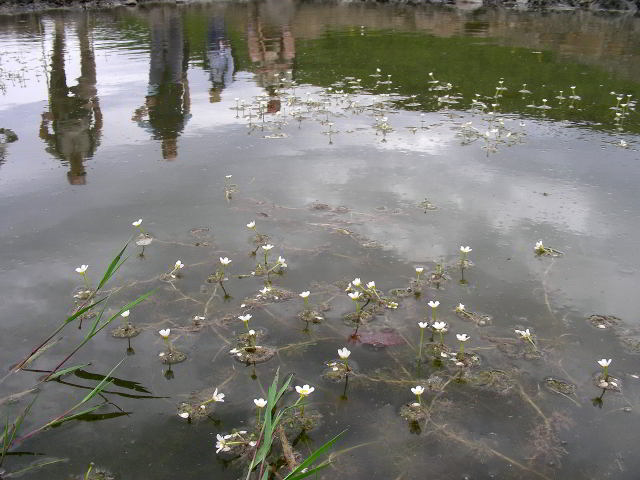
[490,129]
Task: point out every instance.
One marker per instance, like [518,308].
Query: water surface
[352,172]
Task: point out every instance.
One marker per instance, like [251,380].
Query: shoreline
[624,7]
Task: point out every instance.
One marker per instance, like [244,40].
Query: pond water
[365,141]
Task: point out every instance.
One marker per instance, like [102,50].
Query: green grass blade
[113,267]
[266,475]
[128,306]
[308,472]
[98,388]
[312,458]
[60,421]
[33,466]
[83,310]
[64,371]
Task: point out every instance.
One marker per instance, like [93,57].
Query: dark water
[132,113]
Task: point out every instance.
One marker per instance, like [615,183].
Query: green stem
[433,315]
[421,340]
[86,281]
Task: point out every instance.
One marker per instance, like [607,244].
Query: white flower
[539,245]
[344,353]
[417,390]
[282,261]
[81,269]
[252,332]
[392,305]
[304,390]
[433,304]
[305,294]
[221,444]
[462,337]
[165,333]
[199,317]
[356,282]
[419,269]
[233,351]
[354,295]
[183,414]
[178,265]
[604,362]
[228,176]
[137,223]
[439,326]
[460,307]
[260,402]
[225,261]
[523,333]
[265,290]
[252,443]
[371,284]
[245,318]
[267,247]
[466,249]
[217,397]
[251,224]
[423,324]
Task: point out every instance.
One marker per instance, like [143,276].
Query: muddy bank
[22,6]
[621,6]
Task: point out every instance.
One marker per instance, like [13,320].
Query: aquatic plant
[344,353]
[176,267]
[418,390]
[604,363]
[434,306]
[138,224]
[422,326]
[464,256]
[82,270]
[462,338]
[526,335]
[305,296]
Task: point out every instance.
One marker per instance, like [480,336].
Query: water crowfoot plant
[419,271]
[304,392]
[422,326]
[418,391]
[82,270]
[464,256]
[305,297]
[176,267]
[604,363]
[433,306]
[260,404]
[462,338]
[164,333]
[355,296]
[441,328]
[245,319]
[540,250]
[138,224]
[526,335]
[344,353]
